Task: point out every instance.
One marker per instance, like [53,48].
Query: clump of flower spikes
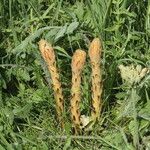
[48,55]
[77,66]
[132,74]
[82,121]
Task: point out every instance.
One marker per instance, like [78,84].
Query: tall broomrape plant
[95,50]
[77,65]
[49,57]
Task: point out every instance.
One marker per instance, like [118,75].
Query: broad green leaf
[145,112]
[62,51]
[72,27]
[67,144]
[9,115]
[61,32]
[24,44]
[2,148]
[23,111]
[51,34]
[121,95]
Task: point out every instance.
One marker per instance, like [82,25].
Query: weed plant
[27,105]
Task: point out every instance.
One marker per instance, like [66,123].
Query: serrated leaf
[24,74]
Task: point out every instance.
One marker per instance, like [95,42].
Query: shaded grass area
[27,109]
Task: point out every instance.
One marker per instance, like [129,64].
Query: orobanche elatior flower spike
[48,54]
[77,65]
[95,50]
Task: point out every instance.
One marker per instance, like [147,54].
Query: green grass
[27,107]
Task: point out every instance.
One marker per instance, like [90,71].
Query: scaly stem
[77,65]
[95,58]
[49,57]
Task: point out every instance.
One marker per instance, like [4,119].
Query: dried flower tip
[77,65]
[47,51]
[78,60]
[49,57]
[95,50]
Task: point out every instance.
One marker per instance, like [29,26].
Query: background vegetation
[27,107]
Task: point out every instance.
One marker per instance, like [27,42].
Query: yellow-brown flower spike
[77,66]
[95,51]
[48,54]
